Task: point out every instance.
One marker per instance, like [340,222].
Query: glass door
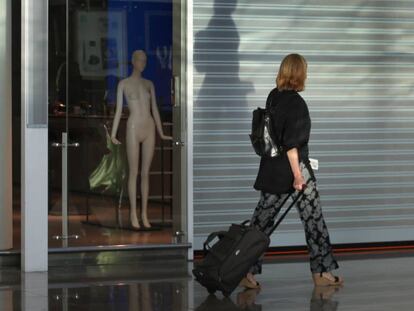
[115,129]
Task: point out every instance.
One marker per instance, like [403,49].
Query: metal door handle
[57,145]
[178,143]
[76,145]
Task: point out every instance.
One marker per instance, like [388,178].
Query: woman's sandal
[246,283]
[321,280]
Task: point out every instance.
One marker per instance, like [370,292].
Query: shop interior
[91,48]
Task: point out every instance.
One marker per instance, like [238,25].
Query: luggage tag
[314,163]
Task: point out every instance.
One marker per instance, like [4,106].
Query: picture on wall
[101,43]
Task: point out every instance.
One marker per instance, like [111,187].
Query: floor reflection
[380,284]
[35,291]
[245,300]
[321,300]
[122,297]
[6,299]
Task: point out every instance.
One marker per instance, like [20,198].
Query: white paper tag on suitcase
[314,164]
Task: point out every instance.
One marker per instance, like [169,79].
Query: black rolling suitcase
[230,258]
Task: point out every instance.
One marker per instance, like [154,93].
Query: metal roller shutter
[360,93]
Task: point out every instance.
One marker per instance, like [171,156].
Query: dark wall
[16,96]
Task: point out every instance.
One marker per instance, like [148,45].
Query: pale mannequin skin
[142,122]
[298,183]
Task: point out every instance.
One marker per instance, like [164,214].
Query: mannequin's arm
[118,112]
[156,114]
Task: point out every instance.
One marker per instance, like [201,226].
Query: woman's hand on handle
[299,183]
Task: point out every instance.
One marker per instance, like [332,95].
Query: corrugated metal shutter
[360,94]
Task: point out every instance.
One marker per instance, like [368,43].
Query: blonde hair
[292,73]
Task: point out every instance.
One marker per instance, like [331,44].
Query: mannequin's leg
[134,297]
[148,146]
[132,146]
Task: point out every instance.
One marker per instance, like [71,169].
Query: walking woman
[279,176]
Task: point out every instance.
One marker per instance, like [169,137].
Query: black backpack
[263,140]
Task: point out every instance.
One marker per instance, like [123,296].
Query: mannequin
[143,119]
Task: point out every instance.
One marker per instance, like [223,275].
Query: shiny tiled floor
[381,284]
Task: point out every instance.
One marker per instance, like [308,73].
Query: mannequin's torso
[137,92]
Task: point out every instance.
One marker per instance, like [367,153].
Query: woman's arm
[296,135]
[156,115]
[118,112]
[293,157]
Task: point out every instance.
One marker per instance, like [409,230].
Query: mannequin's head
[292,73]
[139,60]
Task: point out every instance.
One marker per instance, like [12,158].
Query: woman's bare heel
[323,279]
[249,282]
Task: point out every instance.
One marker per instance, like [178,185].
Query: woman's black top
[291,123]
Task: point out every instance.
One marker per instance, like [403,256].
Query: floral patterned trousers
[310,212]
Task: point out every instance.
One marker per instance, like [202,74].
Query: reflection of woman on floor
[143,119]
[322,298]
[246,300]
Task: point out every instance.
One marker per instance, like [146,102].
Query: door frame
[181,69]
[34,135]
[188,113]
